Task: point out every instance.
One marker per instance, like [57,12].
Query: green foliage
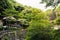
[13,29]
[57,21]
[1,27]
[39,30]
[39,27]
[39,16]
[51,2]
[7,8]
[58,8]
[48,11]
[6,4]
[30,13]
[57,34]
[6,37]
[19,8]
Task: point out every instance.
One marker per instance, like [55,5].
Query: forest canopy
[39,25]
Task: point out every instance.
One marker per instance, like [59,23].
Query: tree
[39,30]
[57,34]
[53,3]
[5,4]
[7,8]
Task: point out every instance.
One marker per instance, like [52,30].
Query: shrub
[57,21]
[39,30]
[1,27]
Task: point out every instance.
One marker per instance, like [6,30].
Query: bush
[57,21]
[1,27]
[39,30]
[57,35]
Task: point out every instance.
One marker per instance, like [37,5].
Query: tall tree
[54,4]
[51,2]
